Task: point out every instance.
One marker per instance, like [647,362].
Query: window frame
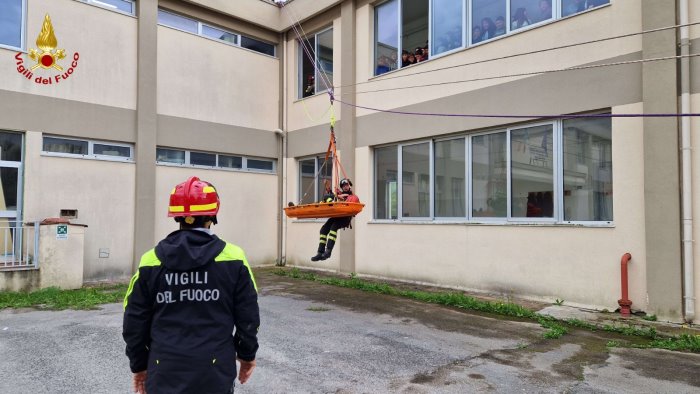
[199,33]
[300,60]
[318,160]
[106,6]
[90,149]
[23,31]
[467,26]
[469,218]
[244,161]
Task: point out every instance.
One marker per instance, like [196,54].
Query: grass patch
[555,328]
[56,299]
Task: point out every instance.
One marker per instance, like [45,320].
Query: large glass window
[447,24]
[11,22]
[488,19]
[407,20]
[559,171]
[489,174]
[449,178]
[532,172]
[386,24]
[316,74]
[386,187]
[415,161]
[315,175]
[588,187]
[570,7]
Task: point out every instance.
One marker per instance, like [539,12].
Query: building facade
[540,199]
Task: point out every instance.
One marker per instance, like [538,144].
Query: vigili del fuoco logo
[46,57]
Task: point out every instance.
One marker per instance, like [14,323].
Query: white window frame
[90,155]
[466,28]
[23,31]
[557,179]
[244,161]
[109,7]
[199,33]
[302,54]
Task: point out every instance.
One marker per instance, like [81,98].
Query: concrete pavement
[322,339]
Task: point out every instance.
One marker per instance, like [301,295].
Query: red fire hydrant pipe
[624,302]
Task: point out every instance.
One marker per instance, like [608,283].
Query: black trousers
[329,232]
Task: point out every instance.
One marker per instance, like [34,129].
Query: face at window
[500,23]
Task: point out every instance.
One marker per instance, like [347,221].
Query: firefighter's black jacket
[180,311]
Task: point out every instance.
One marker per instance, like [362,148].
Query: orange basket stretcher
[334,209]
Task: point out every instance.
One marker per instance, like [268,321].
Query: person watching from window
[476,35]
[404,58]
[488,29]
[500,26]
[520,19]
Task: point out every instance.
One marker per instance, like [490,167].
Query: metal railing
[19,246]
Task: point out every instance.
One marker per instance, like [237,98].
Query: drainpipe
[624,302]
[280,192]
[686,180]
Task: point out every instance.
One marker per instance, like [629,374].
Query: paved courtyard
[321,339]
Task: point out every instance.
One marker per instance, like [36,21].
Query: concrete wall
[61,259]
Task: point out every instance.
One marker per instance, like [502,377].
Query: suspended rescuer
[329,231]
[185,300]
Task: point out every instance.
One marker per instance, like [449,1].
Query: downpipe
[686,169]
[625,302]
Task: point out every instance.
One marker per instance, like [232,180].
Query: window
[257,46]
[450,168]
[489,173]
[12,16]
[181,157]
[488,19]
[315,173]
[587,170]
[235,162]
[203,159]
[554,172]
[178,22]
[402,26]
[218,34]
[532,172]
[126,6]
[415,197]
[87,149]
[386,188]
[317,74]
[570,7]
[447,23]
[193,26]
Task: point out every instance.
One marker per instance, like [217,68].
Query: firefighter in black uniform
[185,300]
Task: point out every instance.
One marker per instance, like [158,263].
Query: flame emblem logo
[47,56]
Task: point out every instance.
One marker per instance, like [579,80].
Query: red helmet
[193,198]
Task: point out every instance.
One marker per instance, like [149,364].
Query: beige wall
[106,71]
[212,81]
[101,191]
[248,215]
